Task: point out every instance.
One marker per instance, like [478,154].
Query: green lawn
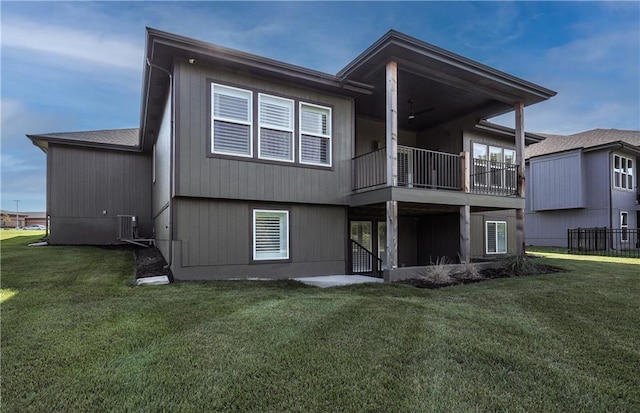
[78,336]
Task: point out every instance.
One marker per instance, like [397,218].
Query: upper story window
[622,172]
[231,132]
[276,128]
[493,166]
[315,134]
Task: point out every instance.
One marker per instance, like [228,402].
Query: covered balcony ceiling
[430,102]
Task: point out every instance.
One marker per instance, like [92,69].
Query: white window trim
[329,136]
[291,129]
[236,121]
[623,227]
[486,237]
[623,175]
[286,218]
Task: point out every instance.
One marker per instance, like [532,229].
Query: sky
[73,66]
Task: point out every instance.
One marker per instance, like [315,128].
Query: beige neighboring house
[8,219]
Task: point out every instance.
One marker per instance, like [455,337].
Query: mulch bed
[485,275]
[151,263]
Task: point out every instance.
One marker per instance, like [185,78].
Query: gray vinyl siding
[88,188]
[199,174]
[213,240]
[161,188]
[563,186]
[601,203]
[162,185]
[549,228]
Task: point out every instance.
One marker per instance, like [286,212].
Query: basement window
[496,237]
[270,235]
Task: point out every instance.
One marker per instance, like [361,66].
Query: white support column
[520,232]
[392,124]
[392,162]
[465,234]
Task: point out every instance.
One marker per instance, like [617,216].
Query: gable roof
[123,139]
[590,140]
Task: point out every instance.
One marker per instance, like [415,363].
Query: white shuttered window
[496,234]
[276,128]
[315,134]
[232,115]
[270,234]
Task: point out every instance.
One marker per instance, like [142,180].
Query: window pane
[276,112]
[231,138]
[495,154]
[491,237]
[314,120]
[501,237]
[271,235]
[616,162]
[276,144]
[314,149]
[630,181]
[509,156]
[231,104]
[623,218]
[617,179]
[479,151]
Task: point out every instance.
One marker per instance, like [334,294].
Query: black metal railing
[363,261]
[370,169]
[623,242]
[493,178]
[422,168]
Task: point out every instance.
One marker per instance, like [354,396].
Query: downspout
[169,258]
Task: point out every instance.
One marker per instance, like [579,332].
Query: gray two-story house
[245,166]
[584,180]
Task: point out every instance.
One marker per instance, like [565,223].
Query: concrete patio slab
[325,281]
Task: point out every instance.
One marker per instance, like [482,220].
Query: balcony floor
[434,196]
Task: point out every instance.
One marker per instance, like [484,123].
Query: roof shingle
[582,140]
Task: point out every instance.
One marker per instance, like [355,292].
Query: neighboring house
[9,219]
[245,166]
[36,218]
[585,180]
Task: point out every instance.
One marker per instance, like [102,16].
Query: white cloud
[79,45]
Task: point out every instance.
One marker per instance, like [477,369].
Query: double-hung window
[276,128]
[496,237]
[622,172]
[315,134]
[232,116]
[270,234]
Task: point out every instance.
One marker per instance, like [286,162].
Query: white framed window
[275,117]
[232,127]
[315,134]
[622,172]
[480,163]
[624,226]
[496,237]
[270,234]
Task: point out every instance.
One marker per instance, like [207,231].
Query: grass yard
[77,336]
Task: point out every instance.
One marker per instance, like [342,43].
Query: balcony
[426,169]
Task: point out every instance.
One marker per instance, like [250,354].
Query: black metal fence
[364,262]
[622,242]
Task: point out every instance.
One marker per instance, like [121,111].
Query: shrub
[438,272]
[522,265]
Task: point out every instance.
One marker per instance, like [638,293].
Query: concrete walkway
[325,281]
